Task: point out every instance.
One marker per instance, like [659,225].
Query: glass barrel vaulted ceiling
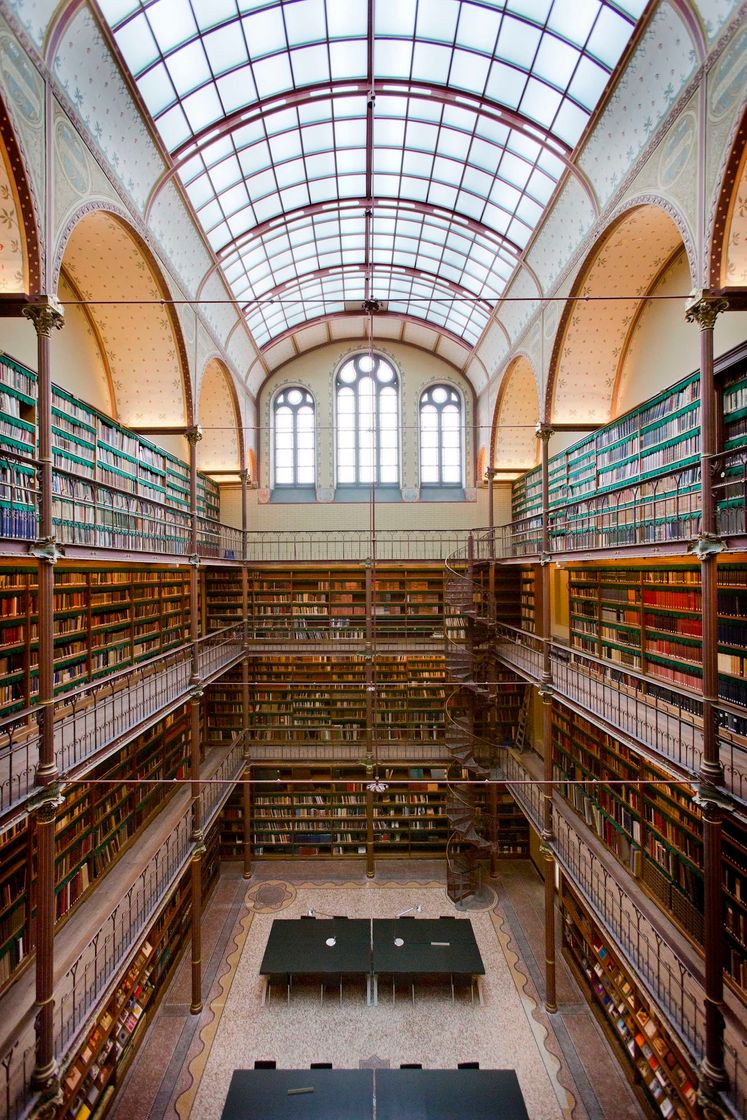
[337,151]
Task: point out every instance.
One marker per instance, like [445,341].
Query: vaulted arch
[20,250]
[222,446]
[513,441]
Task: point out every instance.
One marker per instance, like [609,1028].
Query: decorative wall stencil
[219,447]
[493,348]
[216,307]
[734,268]
[714,14]
[565,227]
[517,412]
[34,16]
[105,263]
[516,315]
[71,156]
[92,80]
[23,90]
[587,356]
[660,66]
[11,240]
[677,149]
[170,222]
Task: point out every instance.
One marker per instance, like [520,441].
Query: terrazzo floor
[564,1065]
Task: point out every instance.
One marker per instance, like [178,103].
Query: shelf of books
[642,815]
[112,1038]
[410,818]
[655,1061]
[527,585]
[105,619]
[499,593]
[231,826]
[509,831]
[105,476]
[734,867]
[649,619]
[327,699]
[222,597]
[100,817]
[222,706]
[331,602]
[323,812]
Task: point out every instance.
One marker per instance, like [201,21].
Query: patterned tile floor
[563,1062]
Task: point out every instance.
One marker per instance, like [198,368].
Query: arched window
[293,430]
[440,437]
[367,391]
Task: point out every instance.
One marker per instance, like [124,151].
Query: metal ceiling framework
[344,153]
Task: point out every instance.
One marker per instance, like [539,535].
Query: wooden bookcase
[95,825]
[112,1038]
[221,596]
[654,827]
[331,601]
[89,448]
[105,619]
[222,707]
[527,587]
[649,618]
[654,1060]
[324,811]
[510,832]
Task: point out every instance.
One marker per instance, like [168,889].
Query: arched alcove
[20,265]
[221,446]
[607,298]
[112,272]
[517,410]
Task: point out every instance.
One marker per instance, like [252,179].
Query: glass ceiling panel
[221,80]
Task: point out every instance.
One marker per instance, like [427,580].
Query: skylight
[329,161]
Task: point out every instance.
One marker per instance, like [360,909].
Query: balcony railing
[95,715]
[89,979]
[670,982]
[353,544]
[669,722]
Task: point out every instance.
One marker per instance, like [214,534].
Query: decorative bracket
[708,796]
[196,692]
[707,545]
[46,802]
[194,560]
[46,549]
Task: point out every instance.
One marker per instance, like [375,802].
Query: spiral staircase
[472,673]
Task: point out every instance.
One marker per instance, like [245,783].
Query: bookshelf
[325,812]
[653,829]
[223,712]
[94,826]
[222,597]
[331,602]
[112,1038]
[655,1062]
[324,699]
[510,832]
[649,619]
[105,476]
[734,881]
[527,586]
[660,435]
[105,619]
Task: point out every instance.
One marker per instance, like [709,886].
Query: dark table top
[449,1094]
[457,952]
[262,1094]
[300,946]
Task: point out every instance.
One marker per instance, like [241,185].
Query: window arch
[440,436]
[367,393]
[294,438]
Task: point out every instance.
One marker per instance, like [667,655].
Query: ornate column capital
[543,431]
[714,803]
[193,435]
[46,313]
[703,308]
[490,473]
[44,804]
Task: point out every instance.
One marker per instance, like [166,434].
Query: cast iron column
[194,435]
[47,315]
[703,310]
[545,692]
[245,713]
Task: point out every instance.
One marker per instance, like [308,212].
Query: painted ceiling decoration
[394,154]
[12,268]
[219,447]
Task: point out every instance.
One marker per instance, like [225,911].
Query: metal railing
[668,721]
[336,545]
[91,976]
[91,717]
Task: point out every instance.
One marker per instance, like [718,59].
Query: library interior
[373,477]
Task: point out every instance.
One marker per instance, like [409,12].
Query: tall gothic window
[440,437]
[293,431]
[367,391]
